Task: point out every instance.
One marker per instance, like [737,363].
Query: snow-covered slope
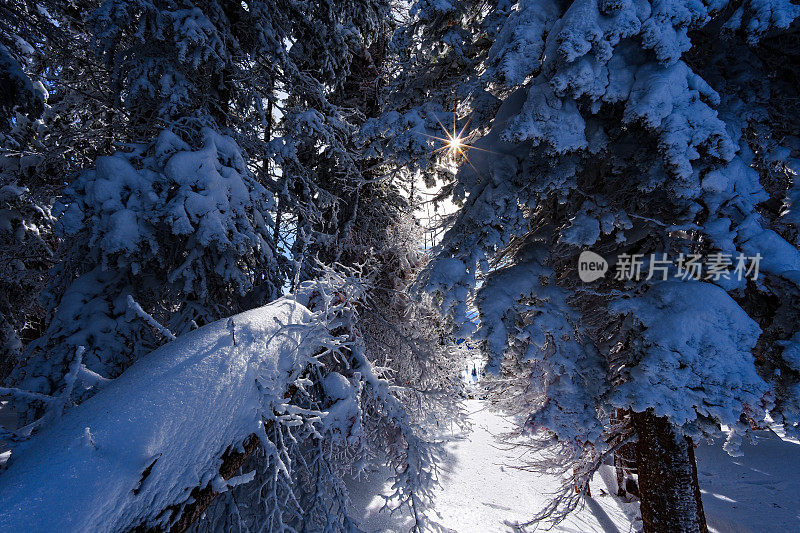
[180,406]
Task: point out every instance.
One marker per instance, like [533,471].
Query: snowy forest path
[482,492]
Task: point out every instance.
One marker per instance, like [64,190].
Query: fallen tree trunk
[232,461]
[144,451]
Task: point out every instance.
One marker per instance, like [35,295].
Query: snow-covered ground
[759,491]
[480,489]
[481,492]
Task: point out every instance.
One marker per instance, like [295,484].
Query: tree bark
[232,461]
[668,487]
[183,516]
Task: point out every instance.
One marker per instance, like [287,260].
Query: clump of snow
[696,361]
[343,417]
[520,41]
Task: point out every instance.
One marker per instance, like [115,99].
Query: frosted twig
[144,315]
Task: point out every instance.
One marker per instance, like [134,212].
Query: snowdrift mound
[141,444]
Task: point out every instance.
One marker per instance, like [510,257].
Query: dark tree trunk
[668,487]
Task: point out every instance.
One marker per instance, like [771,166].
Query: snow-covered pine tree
[174,230]
[21,99]
[434,59]
[627,128]
[42,142]
[185,76]
[378,235]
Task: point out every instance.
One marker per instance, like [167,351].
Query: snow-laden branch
[147,317]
